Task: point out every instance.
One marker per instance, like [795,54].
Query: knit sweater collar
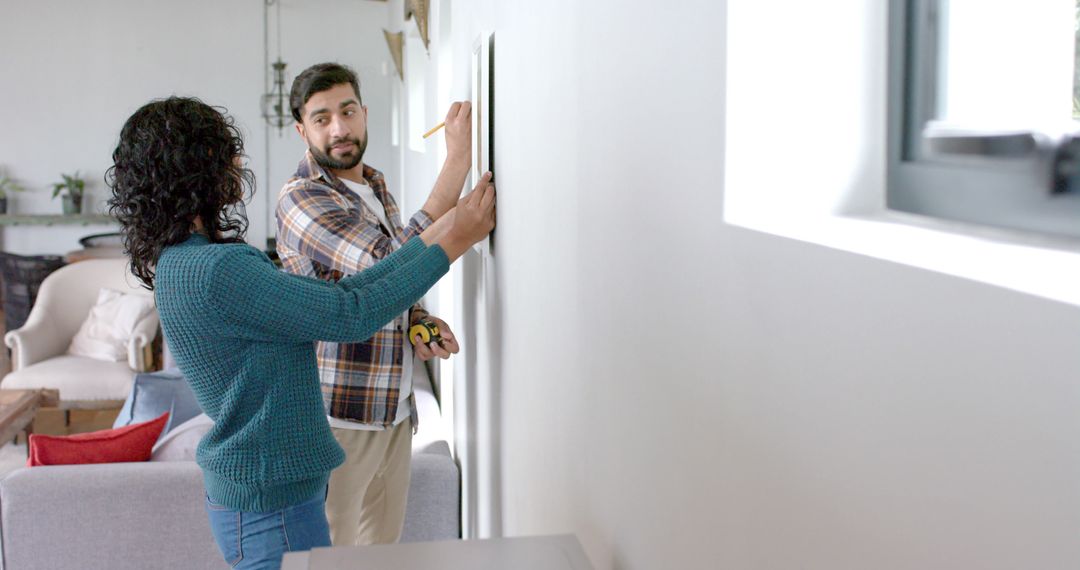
[196,239]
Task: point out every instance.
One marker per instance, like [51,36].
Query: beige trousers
[365,503]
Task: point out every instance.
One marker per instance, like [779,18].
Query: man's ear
[300,130]
[364,107]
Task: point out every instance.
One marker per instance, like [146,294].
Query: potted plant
[7,185]
[72,187]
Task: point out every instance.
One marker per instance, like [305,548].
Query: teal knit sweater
[243,333]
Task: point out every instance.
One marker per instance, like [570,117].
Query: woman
[243,332]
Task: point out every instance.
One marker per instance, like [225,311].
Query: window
[983,101]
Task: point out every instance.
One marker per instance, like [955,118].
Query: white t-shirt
[367,195]
[410,366]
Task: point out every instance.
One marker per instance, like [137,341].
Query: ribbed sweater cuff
[444,260]
[261,498]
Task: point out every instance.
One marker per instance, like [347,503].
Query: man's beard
[326,160]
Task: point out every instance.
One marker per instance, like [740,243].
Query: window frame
[1005,192]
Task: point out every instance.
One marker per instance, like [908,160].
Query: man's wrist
[458,159]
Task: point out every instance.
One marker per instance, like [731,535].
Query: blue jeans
[259,540]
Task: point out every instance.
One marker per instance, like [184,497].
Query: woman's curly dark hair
[177,158]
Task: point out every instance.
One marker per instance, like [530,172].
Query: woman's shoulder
[187,259]
[200,248]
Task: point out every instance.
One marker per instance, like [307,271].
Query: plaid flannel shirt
[324,230]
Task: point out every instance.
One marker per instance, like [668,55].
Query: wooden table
[18,408]
[560,552]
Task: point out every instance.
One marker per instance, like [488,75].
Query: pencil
[433,129]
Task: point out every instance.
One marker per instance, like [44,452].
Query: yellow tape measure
[427,330]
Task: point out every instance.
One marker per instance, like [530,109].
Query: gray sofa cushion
[432,510]
[117,516]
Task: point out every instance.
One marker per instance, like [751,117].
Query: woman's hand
[473,220]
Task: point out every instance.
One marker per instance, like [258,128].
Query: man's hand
[451,178]
[459,133]
[449,342]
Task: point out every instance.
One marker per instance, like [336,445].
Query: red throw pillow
[128,443]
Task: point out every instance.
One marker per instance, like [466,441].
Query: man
[336,218]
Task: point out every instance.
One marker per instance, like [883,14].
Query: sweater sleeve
[250,298]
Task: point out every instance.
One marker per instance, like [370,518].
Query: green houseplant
[7,185]
[72,188]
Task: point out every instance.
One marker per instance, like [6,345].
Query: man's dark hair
[319,77]
[177,159]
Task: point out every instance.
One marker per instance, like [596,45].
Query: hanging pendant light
[275,102]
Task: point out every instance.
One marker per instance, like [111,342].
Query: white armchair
[39,348]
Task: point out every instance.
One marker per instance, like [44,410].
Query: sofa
[151,514]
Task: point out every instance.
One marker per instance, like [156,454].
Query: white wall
[73,72]
[683,393]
